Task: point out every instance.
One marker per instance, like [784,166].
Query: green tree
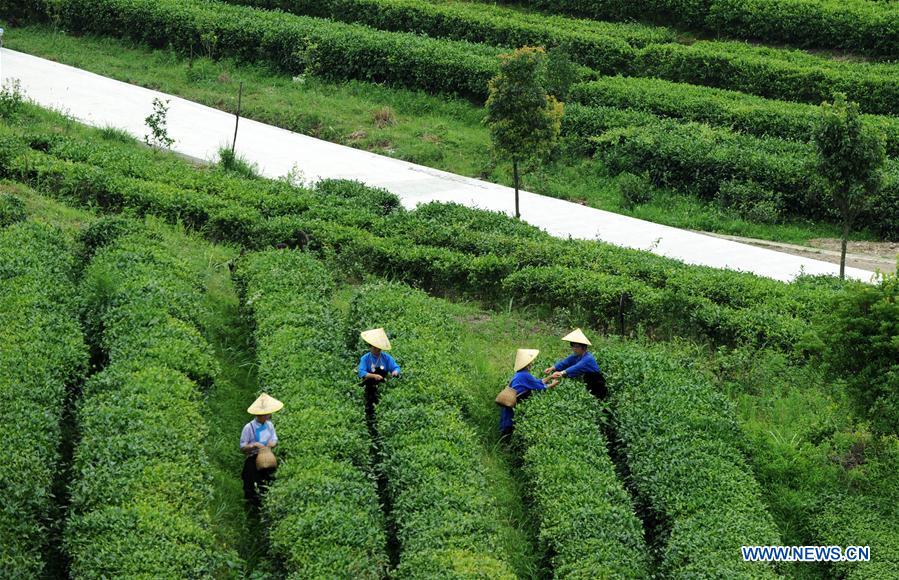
[863,346]
[524,120]
[850,157]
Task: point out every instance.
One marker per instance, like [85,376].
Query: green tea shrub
[323,507]
[12,210]
[587,519]
[42,357]
[683,449]
[140,488]
[432,457]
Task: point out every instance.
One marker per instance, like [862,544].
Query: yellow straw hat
[265,405]
[576,336]
[524,357]
[377,338]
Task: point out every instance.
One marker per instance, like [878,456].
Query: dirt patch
[356,136]
[870,256]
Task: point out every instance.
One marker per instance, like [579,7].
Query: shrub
[323,507]
[634,189]
[738,111]
[43,355]
[12,210]
[293,44]
[435,476]
[683,452]
[140,488]
[751,201]
[771,73]
[854,25]
[604,46]
[586,517]
[862,347]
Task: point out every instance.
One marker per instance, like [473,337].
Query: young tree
[850,157]
[524,121]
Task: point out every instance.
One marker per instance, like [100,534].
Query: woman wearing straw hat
[376,365]
[520,387]
[257,440]
[581,363]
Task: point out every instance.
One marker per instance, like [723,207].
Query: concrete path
[199,131]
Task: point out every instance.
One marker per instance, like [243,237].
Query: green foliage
[293,44]
[603,46]
[587,518]
[43,354]
[751,201]
[436,480]
[140,487]
[683,451]
[446,249]
[635,189]
[697,158]
[738,111]
[772,73]
[524,121]
[157,123]
[855,25]
[850,158]
[862,340]
[12,210]
[11,99]
[323,507]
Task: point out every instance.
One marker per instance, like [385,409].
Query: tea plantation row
[788,75]
[675,298]
[335,50]
[853,25]
[324,512]
[740,171]
[43,355]
[683,450]
[447,523]
[141,481]
[586,517]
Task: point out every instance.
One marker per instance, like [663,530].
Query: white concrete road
[199,131]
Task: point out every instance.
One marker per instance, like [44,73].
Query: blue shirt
[369,363]
[575,366]
[522,382]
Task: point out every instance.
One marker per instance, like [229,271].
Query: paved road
[199,131]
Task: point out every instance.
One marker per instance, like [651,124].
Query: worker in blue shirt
[376,365]
[581,363]
[523,383]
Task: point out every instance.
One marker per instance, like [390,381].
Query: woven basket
[265,459]
[507,397]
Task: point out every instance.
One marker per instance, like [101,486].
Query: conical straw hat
[377,338]
[576,336]
[524,357]
[265,405]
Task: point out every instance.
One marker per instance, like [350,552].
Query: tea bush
[432,459]
[323,509]
[738,111]
[587,519]
[603,46]
[684,453]
[141,481]
[43,355]
[12,210]
[293,44]
[853,25]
